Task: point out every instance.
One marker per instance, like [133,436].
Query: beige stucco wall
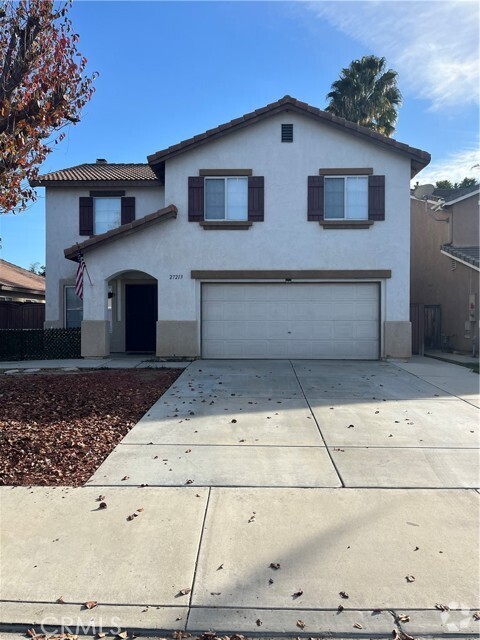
[465,227]
[434,281]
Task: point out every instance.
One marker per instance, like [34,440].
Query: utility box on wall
[472,307]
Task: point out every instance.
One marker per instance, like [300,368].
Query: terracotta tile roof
[98,171]
[419,158]
[14,277]
[467,254]
[119,232]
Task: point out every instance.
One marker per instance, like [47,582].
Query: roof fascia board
[17,289]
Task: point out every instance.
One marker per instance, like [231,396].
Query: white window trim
[345,207]
[224,178]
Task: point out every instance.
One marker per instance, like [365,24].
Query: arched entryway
[133,312]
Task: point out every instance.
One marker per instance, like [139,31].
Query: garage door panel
[343,329]
[365,310]
[297,320]
[343,310]
[367,330]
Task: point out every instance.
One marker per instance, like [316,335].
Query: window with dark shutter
[376,197]
[196,198]
[315,211]
[128,210]
[85,217]
[256,197]
[287,132]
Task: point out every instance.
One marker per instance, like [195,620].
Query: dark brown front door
[140,317]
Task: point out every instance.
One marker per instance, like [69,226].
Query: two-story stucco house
[284,233]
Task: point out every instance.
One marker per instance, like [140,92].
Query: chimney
[101,161]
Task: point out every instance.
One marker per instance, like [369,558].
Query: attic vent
[453,265]
[287,132]
[101,161]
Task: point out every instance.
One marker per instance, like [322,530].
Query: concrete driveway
[355,478]
[302,424]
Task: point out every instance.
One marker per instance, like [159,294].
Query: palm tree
[367,94]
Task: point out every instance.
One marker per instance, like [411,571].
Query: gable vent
[287,132]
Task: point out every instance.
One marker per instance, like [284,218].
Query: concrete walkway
[354,477]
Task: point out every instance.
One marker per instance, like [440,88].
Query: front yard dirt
[56,428]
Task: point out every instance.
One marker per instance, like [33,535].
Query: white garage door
[290,321]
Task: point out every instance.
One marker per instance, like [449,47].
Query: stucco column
[95,326]
[398,339]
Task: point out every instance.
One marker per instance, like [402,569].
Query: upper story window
[107,213]
[104,210]
[346,197]
[226,198]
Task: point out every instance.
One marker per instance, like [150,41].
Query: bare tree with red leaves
[43,88]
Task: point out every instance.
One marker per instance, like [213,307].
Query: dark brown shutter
[376,197]
[256,198]
[315,198]
[128,210]
[196,199]
[85,217]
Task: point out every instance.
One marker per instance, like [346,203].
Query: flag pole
[84,264]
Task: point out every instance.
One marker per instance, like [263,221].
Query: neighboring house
[284,233]
[445,270]
[20,285]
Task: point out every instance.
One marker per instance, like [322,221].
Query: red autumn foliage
[57,428]
[43,88]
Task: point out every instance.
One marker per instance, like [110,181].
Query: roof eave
[71,253]
[419,159]
[448,203]
[96,183]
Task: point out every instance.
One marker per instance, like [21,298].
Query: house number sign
[176,276]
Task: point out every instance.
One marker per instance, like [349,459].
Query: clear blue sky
[170,70]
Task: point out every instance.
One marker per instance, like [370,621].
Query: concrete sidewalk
[354,477]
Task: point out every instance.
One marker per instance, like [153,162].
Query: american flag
[79,278]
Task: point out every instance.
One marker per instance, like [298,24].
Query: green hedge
[39,344]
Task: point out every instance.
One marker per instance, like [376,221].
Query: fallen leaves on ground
[90,604]
[442,607]
[297,594]
[301,624]
[56,428]
[410,578]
